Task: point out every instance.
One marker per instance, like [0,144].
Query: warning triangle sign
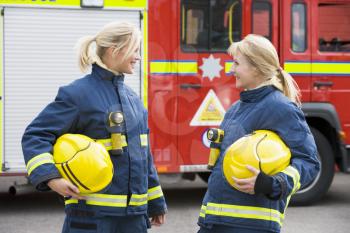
[210,112]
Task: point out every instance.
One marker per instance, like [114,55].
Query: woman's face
[246,75]
[127,65]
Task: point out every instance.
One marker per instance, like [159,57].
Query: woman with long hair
[269,100]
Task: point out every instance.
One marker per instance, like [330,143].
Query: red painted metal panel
[172,108]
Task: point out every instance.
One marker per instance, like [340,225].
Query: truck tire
[315,191]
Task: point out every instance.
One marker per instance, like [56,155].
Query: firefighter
[269,100]
[100,106]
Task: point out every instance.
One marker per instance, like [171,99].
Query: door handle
[190,85]
[319,84]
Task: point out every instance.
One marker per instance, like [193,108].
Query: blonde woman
[83,107]
[270,101]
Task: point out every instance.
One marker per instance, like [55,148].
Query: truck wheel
[315,191]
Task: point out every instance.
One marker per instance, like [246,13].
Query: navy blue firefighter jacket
[262,108]
[82,107]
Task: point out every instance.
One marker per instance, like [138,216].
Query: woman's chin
[238,85]
[129,71]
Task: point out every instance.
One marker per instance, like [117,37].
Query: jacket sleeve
[57,118]
[290,124]
[156,200]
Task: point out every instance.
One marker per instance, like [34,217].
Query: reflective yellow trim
[228,66]
[314,68]
[173,67]
[126,3]
[294,174]
[244,212]
[297,67]
[138,203]
[107,143]
[102,203]
[261,209]
[330,68]
[139,196]
[202,211]
[71,201]
[138,199]
[1,93]
[76,3]
[41,3]
[39,160]
[144,139]
[103,200]
[111,200]
[109,196]
[145,59]
[154,193]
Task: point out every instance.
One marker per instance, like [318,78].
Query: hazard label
[210,112]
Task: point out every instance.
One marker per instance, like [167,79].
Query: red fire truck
[184,77]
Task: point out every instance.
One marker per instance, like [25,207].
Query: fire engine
[184,76]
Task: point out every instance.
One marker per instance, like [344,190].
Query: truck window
[261,18]
[210,25]
[298,32]
[333,27]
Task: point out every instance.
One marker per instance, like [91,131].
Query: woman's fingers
[244,181]
[253,170]
[73,191]
[158,220]
[64,188]
[245,185]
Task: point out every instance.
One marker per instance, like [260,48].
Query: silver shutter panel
[40,56]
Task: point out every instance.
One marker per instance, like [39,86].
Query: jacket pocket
[79,224]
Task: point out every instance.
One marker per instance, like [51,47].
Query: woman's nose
[138,56]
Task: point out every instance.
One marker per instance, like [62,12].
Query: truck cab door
[206,89]
[295,43]
[331,57]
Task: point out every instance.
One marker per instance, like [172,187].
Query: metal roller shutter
[39,56]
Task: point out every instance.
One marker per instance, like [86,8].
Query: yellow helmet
[263,149]
[83,161]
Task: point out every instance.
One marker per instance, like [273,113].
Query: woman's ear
[255,70]
[110,52]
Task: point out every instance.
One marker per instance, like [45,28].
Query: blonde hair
[118,35]
[261,54]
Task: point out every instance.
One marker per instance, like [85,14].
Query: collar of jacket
[104,74]
[255,95]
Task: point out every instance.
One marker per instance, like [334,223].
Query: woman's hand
[64,188]
[247,185]
[158,220]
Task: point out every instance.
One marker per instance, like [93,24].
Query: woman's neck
[265,82]
[99,62]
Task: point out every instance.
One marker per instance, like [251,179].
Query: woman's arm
[57,118]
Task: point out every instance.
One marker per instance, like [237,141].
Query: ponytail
[85,56]
[116,35]
[289,87]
